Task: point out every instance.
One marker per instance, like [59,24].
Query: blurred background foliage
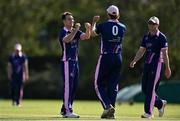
[36,23]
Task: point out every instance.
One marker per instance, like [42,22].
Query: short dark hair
[113,16]
[63,17]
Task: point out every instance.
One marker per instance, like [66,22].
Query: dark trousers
[17,90]
[150,82]
[70,74]
[107,77]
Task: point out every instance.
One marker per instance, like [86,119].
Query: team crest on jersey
[148,44]
[118,39]
[74,41]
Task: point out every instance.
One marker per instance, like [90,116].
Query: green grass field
[88,110]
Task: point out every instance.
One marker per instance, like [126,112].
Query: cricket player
[155,44]
[17,73]
[69,38]
[109,64]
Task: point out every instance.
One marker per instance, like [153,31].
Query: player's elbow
[66,40]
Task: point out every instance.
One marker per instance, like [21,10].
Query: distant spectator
[17,73]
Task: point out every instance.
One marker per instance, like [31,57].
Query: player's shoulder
[112,24]
[145,36]
[162,35]
[101,24]
[62,31]
[121,24]
[24,55]
[79,31]
[10,56]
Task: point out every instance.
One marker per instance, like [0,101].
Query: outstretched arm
[138,56]
[166,61]
[87,34]
[68,38]
[93,28]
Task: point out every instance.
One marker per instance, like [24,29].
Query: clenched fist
[131,65]
[87,25]
[96,18]
[77,26]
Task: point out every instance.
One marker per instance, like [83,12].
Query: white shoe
[146,115]
[161,111]
[71,115]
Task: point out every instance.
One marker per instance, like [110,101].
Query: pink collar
[157,33]
[66,29]
[113,20]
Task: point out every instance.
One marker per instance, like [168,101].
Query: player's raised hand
[96,18]
[131,65]
[77,26]
[87,25]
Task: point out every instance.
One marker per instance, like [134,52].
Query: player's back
[17,62]
[111,33]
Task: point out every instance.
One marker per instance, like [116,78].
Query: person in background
[17,73]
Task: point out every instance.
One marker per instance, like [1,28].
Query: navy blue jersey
[69,50]
[111,33]
[153,45]
[17,63]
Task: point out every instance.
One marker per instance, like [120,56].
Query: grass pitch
[48,110]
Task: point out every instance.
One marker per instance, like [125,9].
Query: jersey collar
[66,29]
[20,54]
[157,33]
[113,20]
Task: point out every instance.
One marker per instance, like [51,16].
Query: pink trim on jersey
[151,58]
[77,55]
[64,52]
[113,20]
[101,46]
[158,32]
[158,71]
[161,59]
[117,87]
[115,48]
[118,47]
[83,36]
[66,88]
[20,54]
[164,48]
[64,45]
[96,78]
[66,29]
